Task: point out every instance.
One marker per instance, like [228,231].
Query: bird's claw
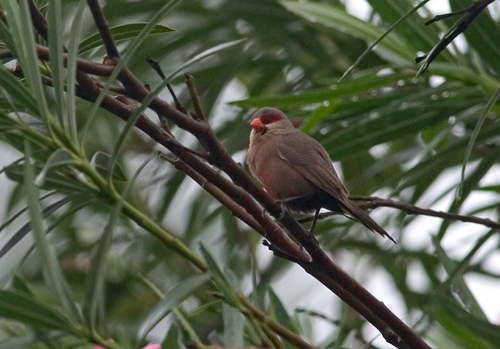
[282,213]
[283,210]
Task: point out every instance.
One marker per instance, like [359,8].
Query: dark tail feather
[362,217]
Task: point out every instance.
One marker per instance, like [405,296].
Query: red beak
[257,124]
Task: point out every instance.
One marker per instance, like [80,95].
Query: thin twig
[471,12]
[372,202]
[290,336]
[103,26]
[380,38]
[156,66]
[195,98]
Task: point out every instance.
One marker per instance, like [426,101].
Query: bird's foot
[282,213]
[283,209]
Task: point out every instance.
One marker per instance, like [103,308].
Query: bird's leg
[315,219]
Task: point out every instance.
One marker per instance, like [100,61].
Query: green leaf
[53,275]
[178,294]
[7,38]
[102,162]
[55,181]
[334,91]
[398,23]
[94,303]
[19,307]
[222,280]
[75,34]
[17,92]
[336,18]
[458,281]
[316,117]
[54,22]
[212,264]
[121,33]
[20,26]
[234,323]
[413,30]
[472,331]
[26,228]
[474,135]
[171,341]
[56,159]
[470,184]
[279,309]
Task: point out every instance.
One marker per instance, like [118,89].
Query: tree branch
[239,198]
[103,26]
[372,202]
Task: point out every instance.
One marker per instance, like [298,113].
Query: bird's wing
[309,158]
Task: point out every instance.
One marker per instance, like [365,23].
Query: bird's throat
[261,131]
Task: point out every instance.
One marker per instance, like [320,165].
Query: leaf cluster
[104,240]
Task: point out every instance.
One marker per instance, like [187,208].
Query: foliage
[101,240]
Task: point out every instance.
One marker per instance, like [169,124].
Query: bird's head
[269,119]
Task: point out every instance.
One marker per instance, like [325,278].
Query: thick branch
[218,194]
[222,159]
[321,266]
[353,294]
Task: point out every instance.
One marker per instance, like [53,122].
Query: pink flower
[152,346]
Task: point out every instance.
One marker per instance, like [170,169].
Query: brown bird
[295,169]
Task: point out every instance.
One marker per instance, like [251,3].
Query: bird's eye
[269,119]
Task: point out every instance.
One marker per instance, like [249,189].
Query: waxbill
[295,169]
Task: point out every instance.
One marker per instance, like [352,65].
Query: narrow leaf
[475,332]
[102,163]
[463,290]
[474,136]
[11,86]
[234,323]
[171,299]
[75,33]
[55,30]
[121,33]
[53,275]
[337,18]
[56,159]
[19,307]
[171,341]
[26,228]
[94,306]
[20,25]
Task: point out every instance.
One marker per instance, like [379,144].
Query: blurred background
[390,133]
